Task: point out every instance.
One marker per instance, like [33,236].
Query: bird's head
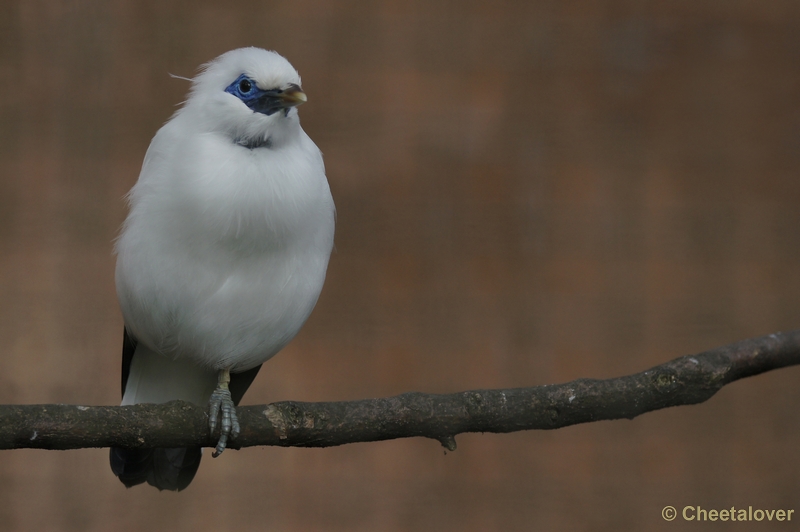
[249,94]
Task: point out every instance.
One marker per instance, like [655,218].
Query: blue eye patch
[261,101]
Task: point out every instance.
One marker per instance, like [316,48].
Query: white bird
[224,251]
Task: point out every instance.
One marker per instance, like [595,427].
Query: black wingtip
[132,466]
[166,469]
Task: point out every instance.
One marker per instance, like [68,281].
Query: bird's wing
[240,382]
[128,349]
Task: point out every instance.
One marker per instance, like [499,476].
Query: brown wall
[528,192]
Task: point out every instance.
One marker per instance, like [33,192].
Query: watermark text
[698,513]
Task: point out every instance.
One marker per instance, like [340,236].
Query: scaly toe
[222,403]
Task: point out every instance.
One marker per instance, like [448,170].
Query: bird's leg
[222,402]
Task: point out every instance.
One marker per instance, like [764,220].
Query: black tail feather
[166,469]
[131,465]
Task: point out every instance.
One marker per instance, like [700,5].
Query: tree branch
[686,380]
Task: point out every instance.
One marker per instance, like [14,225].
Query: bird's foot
[220,405]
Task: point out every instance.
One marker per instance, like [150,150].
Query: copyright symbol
[669,513]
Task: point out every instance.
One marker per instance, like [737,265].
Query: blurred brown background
[528,192]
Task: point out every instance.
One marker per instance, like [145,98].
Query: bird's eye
[245,86]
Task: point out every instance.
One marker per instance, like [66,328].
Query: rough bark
[686,380]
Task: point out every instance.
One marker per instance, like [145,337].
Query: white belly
[235,318]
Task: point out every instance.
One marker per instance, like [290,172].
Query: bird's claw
[221,402]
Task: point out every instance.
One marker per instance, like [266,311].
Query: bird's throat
[253,143]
